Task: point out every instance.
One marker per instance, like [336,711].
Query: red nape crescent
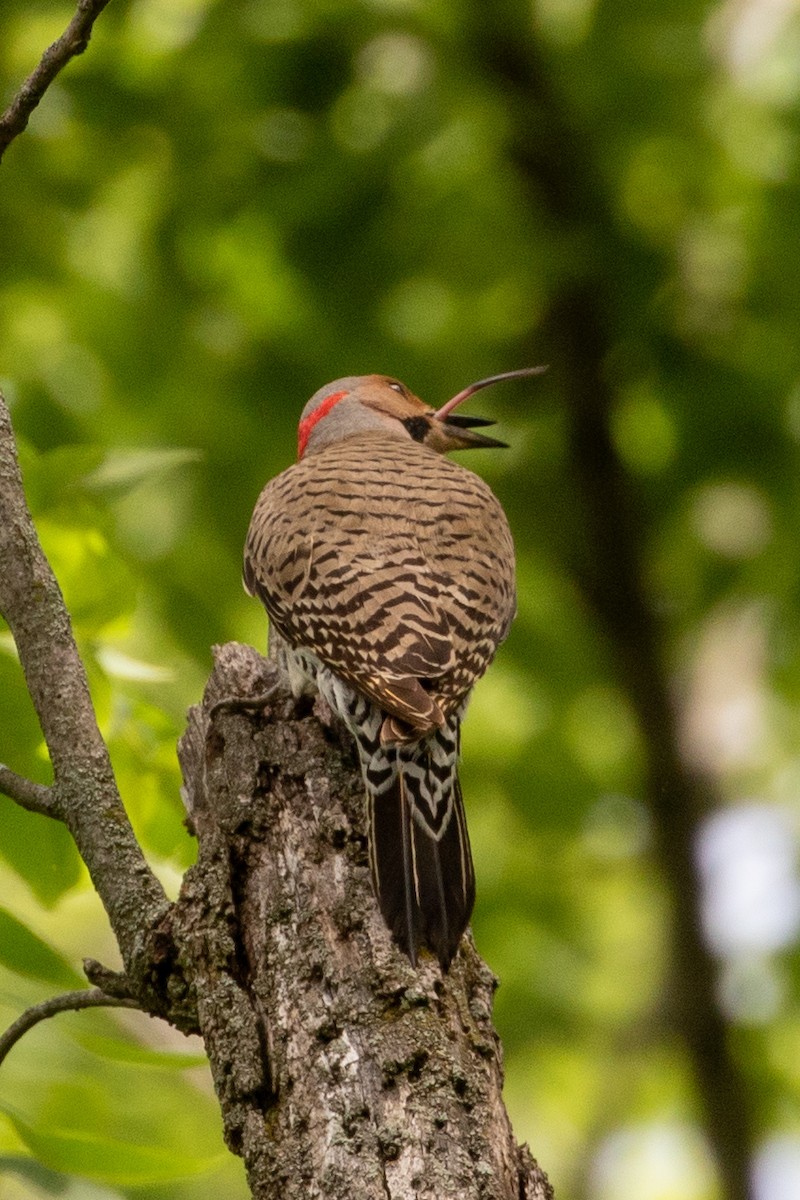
[308,423]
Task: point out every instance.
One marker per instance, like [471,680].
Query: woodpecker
[387,571]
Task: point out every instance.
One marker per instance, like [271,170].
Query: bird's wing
[374,615]
[402,583]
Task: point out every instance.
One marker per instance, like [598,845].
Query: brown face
[389,396]
[392,398]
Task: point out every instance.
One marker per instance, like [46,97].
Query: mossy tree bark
[340,1069]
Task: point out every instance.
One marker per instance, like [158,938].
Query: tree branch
[66,1002]
[85,792]
[72,42]
[33,796]
[341,1070]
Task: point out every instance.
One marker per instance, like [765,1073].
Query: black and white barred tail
[424,883]
[419,851]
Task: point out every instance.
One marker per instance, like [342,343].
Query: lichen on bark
[341,1070]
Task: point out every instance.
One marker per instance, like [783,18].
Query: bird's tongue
[443,413]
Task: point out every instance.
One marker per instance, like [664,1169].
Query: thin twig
[66,1002]
[88,799]
[33,796]
[72,42]
[111,983]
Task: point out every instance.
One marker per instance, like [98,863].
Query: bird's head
[379,404]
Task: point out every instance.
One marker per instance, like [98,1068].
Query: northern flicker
[387,570]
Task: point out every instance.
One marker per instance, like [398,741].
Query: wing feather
[406,607]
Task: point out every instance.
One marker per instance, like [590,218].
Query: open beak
[460,436]
[459,429]
[466,422]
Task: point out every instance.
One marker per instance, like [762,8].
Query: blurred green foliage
[219,208]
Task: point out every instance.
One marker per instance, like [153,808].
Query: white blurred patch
[748,861]
[167,26]
[776,1174]
[724,718]
[397,63]
[122,666]
[732,519]
[751,990]
[659,1161]
[743,32]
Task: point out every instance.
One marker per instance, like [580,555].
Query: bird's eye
[398,387]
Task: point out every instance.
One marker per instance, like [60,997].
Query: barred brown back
[388,571]
[394,565]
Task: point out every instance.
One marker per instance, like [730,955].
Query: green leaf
[52,479]
[11,1144]
[39,849]
[121,1164]
[23,951]
[98,586]
[48,1183]
[119,1050]
[124,469]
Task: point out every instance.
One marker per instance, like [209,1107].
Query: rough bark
[556,165]
[84,794]
[341,1071]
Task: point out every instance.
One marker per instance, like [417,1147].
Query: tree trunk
[341,1070]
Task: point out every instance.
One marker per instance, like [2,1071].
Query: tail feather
[423,876]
